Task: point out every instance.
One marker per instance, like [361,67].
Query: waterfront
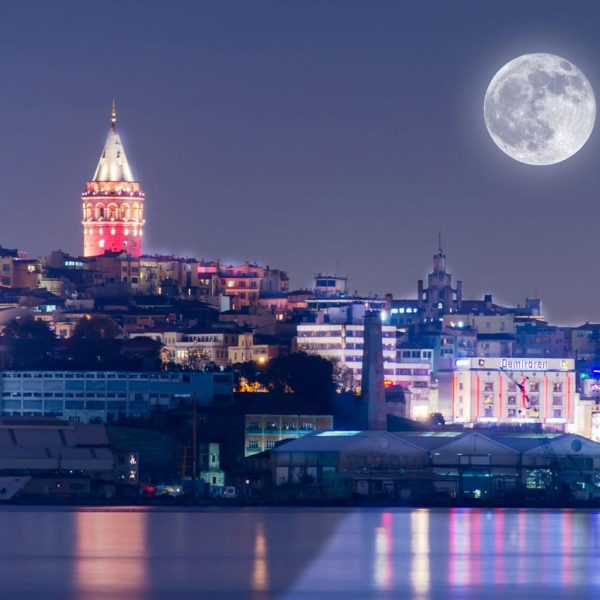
[298,553]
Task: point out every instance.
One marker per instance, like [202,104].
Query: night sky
[307,135]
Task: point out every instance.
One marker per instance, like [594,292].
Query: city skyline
[292,158]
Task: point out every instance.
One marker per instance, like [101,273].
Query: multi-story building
[585,341]
[245,283]
[17,271]
[538,338]
[195,347]
[327,286]
[343,345]
[250,347]
[265,428]
[513,390]
[90,396]
[113,202]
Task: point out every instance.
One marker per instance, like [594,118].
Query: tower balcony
[113,188]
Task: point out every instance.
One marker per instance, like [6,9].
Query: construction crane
[527,408]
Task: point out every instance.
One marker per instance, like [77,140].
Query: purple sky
[310,136]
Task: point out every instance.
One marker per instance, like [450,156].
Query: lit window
[126,231]
[101,244]
[113,231]
[100,231]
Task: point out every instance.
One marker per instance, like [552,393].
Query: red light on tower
[113,203]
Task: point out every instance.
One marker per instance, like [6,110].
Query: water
[291,554]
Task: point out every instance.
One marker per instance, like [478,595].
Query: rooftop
[113,164]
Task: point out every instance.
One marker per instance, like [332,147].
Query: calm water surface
[298,553]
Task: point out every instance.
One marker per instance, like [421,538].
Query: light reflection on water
[299,553]
[107,561]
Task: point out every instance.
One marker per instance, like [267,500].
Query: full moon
[539,109]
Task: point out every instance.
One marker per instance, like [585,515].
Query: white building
[343,344]
[189,347]
[513,390]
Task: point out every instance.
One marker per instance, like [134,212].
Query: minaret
[113,203]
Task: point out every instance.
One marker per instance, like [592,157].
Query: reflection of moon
[539,109]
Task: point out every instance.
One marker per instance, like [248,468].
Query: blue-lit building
[102,396]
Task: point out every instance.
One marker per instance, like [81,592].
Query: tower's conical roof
[113,165]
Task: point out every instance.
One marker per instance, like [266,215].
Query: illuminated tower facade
[113,202]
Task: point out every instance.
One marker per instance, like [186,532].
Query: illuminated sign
[516,364]
[524,364]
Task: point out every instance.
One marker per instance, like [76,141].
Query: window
[534,387]
[556,400]
[253,444]
[512,413]
[512,400]
[557,386]
[488,386]
[538,479]
[488,399]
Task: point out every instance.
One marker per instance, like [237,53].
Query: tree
[29,343]
[248,377]
[310,376]
[94,342]
[198,359]
[343,378]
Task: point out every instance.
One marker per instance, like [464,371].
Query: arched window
[89,211]
[99,211]
[135,216]
[112,211]
[125,212]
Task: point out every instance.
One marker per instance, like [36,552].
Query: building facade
[100,396]
[431,465]
[343,344]
[113,202]
[263,431]
[514,390]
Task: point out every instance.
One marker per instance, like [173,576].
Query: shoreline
[192,504]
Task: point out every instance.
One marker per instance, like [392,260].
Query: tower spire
[113,117]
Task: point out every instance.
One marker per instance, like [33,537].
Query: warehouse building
[425,466]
